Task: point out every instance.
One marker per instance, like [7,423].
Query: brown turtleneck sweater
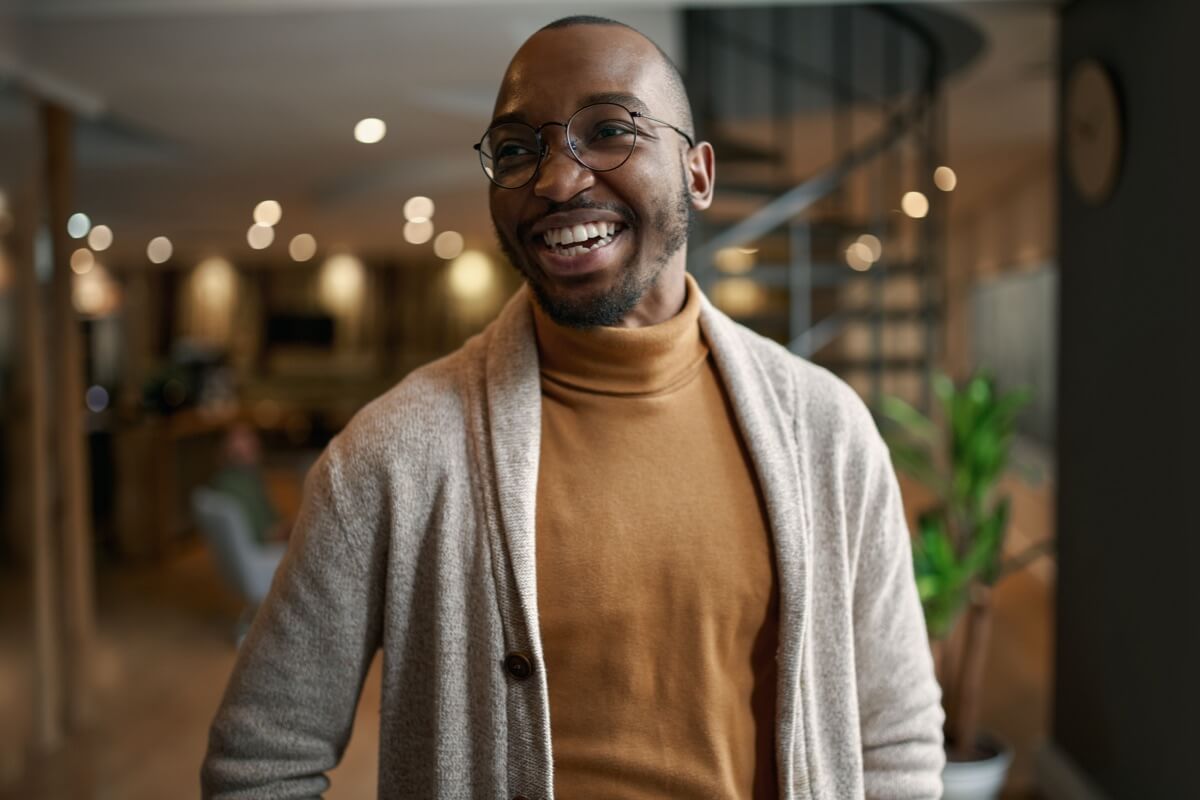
[656,581]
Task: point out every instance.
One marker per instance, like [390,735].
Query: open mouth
[576,240]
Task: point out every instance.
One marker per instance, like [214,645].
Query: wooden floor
[167,650]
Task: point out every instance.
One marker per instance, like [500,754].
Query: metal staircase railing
[900,85]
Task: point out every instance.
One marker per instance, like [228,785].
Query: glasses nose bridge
[544,144]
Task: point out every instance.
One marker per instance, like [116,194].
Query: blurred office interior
[256,216]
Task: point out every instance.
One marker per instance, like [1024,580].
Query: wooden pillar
[33,428]
[74,518]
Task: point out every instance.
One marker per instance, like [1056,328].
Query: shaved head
[674,88]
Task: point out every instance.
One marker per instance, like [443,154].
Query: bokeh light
[915,205]
[471,275]
[341,283]
[268,213]
[945,179]
[302,247]
[739,297]
[159,250]
[96,398]
[78,225]
[858,256]
[418,209]
[370,130]
[82,261]
[734,260]
[874,246]
[448,245]
[418,231]
[260,236]
[100,238]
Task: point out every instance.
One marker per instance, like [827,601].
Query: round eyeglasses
[600,136]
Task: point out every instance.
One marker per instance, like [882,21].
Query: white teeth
[580,233]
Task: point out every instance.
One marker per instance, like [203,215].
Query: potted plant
[958,553]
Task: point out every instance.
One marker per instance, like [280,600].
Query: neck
[664,299]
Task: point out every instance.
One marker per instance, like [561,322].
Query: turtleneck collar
[624,361]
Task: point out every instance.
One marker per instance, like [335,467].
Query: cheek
[503,211]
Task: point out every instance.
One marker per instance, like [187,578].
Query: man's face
[645,202]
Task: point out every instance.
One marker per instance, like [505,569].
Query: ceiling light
[100,238]
[418,209]
[915,204]
[303,247]
[945,179]
[78,225]
[159,250]
[370,130]
[418,231]
[82,261]
[448,245]
[260,236]
[268,213]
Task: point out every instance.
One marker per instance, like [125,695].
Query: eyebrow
[632,102]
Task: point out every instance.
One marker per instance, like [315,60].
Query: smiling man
[616,546]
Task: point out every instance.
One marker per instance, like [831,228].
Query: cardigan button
[518,665]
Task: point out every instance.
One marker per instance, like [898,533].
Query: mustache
[625,212]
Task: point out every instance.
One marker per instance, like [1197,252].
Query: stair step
[821,274]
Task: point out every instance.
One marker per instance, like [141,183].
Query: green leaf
[912,421]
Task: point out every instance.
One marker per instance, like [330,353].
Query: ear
[701,169]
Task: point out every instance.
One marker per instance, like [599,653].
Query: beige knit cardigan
[416,537]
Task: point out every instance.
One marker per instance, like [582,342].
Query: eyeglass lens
[601,137]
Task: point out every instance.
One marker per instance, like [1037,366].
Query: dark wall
[1127,671]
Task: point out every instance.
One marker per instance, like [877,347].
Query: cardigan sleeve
[900,710]
[288,710]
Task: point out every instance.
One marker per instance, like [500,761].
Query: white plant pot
[978,780]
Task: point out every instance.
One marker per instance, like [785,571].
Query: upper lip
[580,216]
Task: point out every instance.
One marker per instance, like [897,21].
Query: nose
[560,177]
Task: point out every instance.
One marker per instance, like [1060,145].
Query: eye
[514,149]
[610,129]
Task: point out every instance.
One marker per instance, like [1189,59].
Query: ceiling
[195,110]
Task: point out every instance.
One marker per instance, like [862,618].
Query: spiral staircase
[825,120]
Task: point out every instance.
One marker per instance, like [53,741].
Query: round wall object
[1094,139]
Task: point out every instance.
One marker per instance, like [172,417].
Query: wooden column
[34,446]
[74,517]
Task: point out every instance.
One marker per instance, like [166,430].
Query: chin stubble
[609,307]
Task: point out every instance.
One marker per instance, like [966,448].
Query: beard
[638,275]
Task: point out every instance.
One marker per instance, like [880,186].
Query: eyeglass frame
[544,146]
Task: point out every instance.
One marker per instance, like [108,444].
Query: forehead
[558,70]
